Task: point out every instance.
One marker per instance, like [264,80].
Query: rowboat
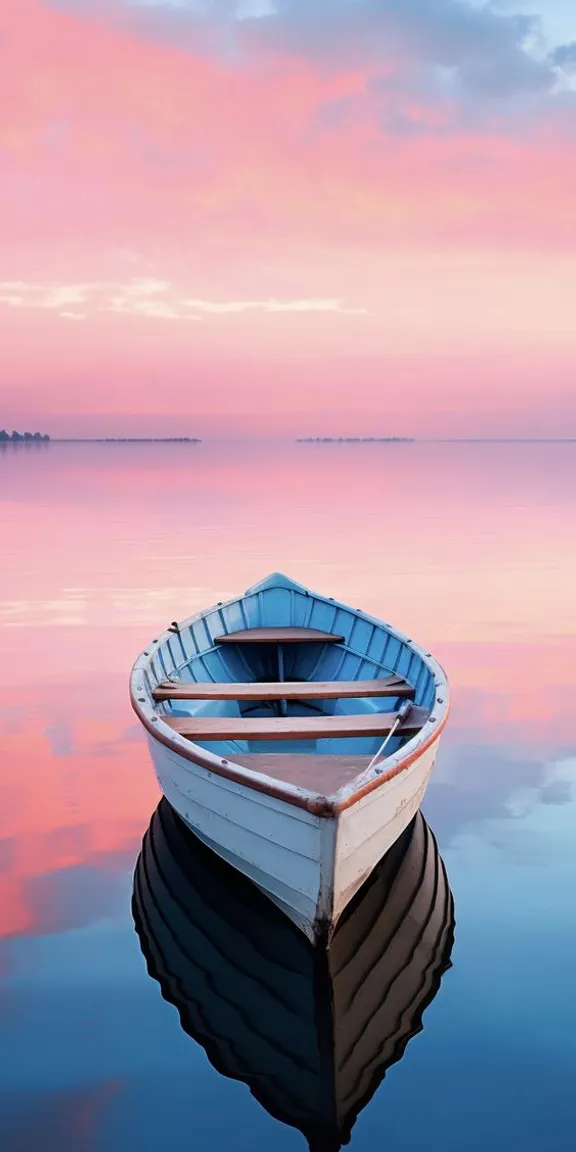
[311,1031]
[295,736]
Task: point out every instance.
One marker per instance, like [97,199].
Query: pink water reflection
[468,548]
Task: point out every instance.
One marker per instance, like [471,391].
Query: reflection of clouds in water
[97,606]
[62,611]
[476,784]
[61,739]
[473,783]
[63,742]
[72,898]
[559,792]
[557,786]
[526,848]
[13,718]
[62,1121]
[131,735]
[7,853]
[486,768]
[79,886]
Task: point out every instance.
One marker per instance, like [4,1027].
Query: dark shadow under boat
[311,1031]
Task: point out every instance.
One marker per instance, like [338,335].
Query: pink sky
[337,220]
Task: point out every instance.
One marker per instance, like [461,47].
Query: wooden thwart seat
[279,636]
[293,727]
[285,690]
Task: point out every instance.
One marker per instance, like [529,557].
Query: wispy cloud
[150,298]
[272,305]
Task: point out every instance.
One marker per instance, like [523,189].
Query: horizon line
[314,439]
[295,440]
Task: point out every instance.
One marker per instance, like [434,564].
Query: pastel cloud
[147,297]
[470,47]
[477,41]
[178,152]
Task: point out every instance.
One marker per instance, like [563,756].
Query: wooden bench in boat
[285,690]
[279,636]
[293,727]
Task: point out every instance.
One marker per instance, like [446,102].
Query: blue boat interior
[204,652]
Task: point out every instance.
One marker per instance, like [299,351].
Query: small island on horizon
[355,440]
[43,438]
[22,437]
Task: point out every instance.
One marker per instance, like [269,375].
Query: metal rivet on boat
[440,700]
[154,719]
[146,653]
[432,719]
[224,761]
[141,699]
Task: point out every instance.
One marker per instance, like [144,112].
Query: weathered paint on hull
[310,866]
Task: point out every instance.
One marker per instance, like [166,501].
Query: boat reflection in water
[310,1031]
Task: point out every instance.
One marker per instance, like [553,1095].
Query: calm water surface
[468,548]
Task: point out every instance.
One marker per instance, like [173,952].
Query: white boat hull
[309,865]
[220,692]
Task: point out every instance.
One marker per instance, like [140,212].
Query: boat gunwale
[312,802]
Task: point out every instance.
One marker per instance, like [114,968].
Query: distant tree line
[355,440]
[14,437]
